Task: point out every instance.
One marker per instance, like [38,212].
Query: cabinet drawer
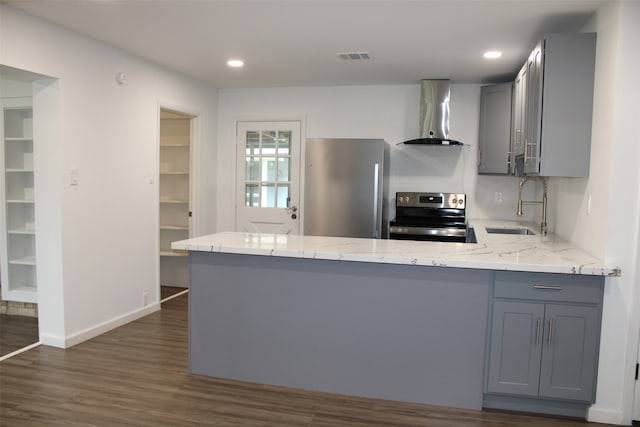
[548,287]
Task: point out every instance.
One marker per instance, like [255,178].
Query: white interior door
[268,177]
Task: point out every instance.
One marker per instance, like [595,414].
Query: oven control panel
[431,200]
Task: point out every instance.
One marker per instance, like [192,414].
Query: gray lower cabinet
[569,355]
[543,342]
[514,363]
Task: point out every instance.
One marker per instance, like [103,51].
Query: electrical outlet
[497,198]
[145,298]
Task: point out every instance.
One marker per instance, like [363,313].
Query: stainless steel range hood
[434,114]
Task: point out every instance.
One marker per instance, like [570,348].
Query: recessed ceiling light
[235,63]
[492,54]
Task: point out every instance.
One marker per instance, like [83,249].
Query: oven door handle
[376,186]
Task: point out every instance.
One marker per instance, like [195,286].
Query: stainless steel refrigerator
[346,187]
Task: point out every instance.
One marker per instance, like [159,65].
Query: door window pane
[268,196]
[268,169]
[284,168]
[283,196]
[269,143]
[252,195]
[284,143]
[252,169]
[253,143]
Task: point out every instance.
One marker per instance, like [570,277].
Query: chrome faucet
[543,224]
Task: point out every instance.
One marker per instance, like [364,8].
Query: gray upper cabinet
[518,112]
[558,106]
[494,155]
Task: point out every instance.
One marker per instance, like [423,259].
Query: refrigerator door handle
[376,176]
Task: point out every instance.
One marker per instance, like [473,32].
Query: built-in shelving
[18,258]
[174,170]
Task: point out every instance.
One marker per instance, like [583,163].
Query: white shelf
[9,139]
[174,253]
[174,146]
[28,260]
[19,170]
[175,201]
[22,293]
[174,227]
[28,231]
[20,201]
[175,173]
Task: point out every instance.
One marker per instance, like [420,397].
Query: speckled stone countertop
[532,253]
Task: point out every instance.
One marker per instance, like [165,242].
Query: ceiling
[295,42]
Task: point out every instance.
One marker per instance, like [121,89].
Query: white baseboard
[52,341]
[606,416]
[99,329]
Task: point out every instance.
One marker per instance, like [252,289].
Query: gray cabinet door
[495,129]
[518,112]
[569,356]
[559,105]
[516,344]
[533,111]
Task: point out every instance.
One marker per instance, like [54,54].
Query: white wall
[389,112]
[610,231]
[109,132]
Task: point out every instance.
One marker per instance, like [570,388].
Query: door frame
[194,177]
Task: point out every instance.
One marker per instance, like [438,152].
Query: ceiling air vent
[355,56]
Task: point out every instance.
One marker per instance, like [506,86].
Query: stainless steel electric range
[436,217]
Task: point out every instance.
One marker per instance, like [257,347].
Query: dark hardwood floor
[17,332]
[137,375]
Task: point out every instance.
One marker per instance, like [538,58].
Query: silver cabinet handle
[548,287]
[537,332]
[550,332]
[527,157]
[376,177]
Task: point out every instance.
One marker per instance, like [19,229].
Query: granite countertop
[534,253]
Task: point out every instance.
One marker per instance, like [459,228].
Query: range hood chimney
[434,114]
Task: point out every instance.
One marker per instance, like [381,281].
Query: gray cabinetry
[518,112]
[495,129]
[543,342]
[558,106]
[514,365]
[568,365]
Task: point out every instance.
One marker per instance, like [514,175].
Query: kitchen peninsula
[399,320]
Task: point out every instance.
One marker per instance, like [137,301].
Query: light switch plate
[73,176]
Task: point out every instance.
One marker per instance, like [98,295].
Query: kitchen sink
[521,231]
